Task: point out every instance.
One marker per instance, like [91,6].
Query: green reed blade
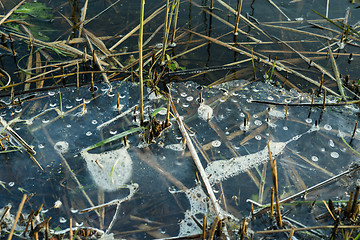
[116,137]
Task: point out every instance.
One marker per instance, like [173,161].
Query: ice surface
[110,170]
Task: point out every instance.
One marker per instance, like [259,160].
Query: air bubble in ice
[189,98]
[308,120]
[257,122]
[327,127]
[315,158]
[258,137]
[216,143]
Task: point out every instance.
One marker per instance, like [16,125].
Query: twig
[82,18]
[17,216]
[272,3]
[196,160]
[276,186]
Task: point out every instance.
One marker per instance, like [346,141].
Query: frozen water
[110,170]
[216,127]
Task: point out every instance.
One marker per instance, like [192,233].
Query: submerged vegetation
[121,119]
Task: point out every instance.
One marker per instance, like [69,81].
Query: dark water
[163,174]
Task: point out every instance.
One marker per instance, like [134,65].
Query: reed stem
[173,44]
[141,62]
[165,32]
[239,5]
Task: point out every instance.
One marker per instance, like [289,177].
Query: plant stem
[141,61]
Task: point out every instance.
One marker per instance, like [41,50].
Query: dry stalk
[276,187]
[154,14]
[272,3]
[17,216]
[141,62]
[239,5]
[82,19]
[197,161]
[264,60]
[272,202]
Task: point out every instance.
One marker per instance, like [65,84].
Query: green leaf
[156,111]
[116,137]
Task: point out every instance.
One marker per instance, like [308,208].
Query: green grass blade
[328,19]
[156,111]
[116,137]
[357,237]
[350,146]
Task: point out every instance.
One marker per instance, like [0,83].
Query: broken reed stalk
[239,5]
[17,216]
[276,188]
[197,161]
[324,101]
[354,131]
[329,210]
[141,61]
[71,231]
[272,202]
[355,204]
[168,108]
[203,236]
[349,205]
